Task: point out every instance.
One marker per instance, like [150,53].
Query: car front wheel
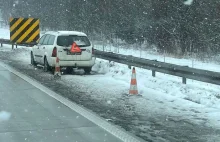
[46,65]
[32,60]
[87,70]
[69,70]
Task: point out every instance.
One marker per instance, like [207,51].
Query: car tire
[46,66]
[52,70]
[87,70]
[69,70]
[32,60]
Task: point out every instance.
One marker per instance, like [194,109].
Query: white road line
[111,128]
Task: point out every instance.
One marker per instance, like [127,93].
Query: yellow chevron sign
[24,30]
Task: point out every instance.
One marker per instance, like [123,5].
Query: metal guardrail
[167,68]
[153,65]
[7,41]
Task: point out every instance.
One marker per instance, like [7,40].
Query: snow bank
[194,91]
[160,92]
[21,53]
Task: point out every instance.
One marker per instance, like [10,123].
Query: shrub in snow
[123,72]
[101,67]
[111,64]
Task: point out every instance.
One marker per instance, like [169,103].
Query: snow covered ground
[24,53]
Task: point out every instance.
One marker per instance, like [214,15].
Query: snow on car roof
[66,33]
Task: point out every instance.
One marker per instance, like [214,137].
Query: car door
[36,49]
[43,47]
[49,48]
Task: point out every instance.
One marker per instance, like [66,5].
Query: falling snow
[188,2]
[4,116]
[109,102]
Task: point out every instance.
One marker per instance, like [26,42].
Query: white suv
[58,44]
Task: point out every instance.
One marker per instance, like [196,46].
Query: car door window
[46,40]
[51,40]
[42,39]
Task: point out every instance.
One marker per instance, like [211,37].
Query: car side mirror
[33,43]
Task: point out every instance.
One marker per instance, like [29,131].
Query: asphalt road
[31,115]
[172,131]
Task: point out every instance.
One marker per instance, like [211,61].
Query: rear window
[66,41]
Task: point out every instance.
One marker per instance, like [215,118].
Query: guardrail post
[184,80]
[16,45]
[1,44]
[153,73]
[12,46]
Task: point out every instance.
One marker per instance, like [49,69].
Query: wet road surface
[36,117]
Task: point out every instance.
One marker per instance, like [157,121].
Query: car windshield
[81,41]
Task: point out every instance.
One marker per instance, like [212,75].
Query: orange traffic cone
[57,68]
[133,88]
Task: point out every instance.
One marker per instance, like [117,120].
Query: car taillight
[54,53]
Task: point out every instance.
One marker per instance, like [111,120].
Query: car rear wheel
[69,70]
[32,60]
[46,65]
[52,70]
[87,70]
